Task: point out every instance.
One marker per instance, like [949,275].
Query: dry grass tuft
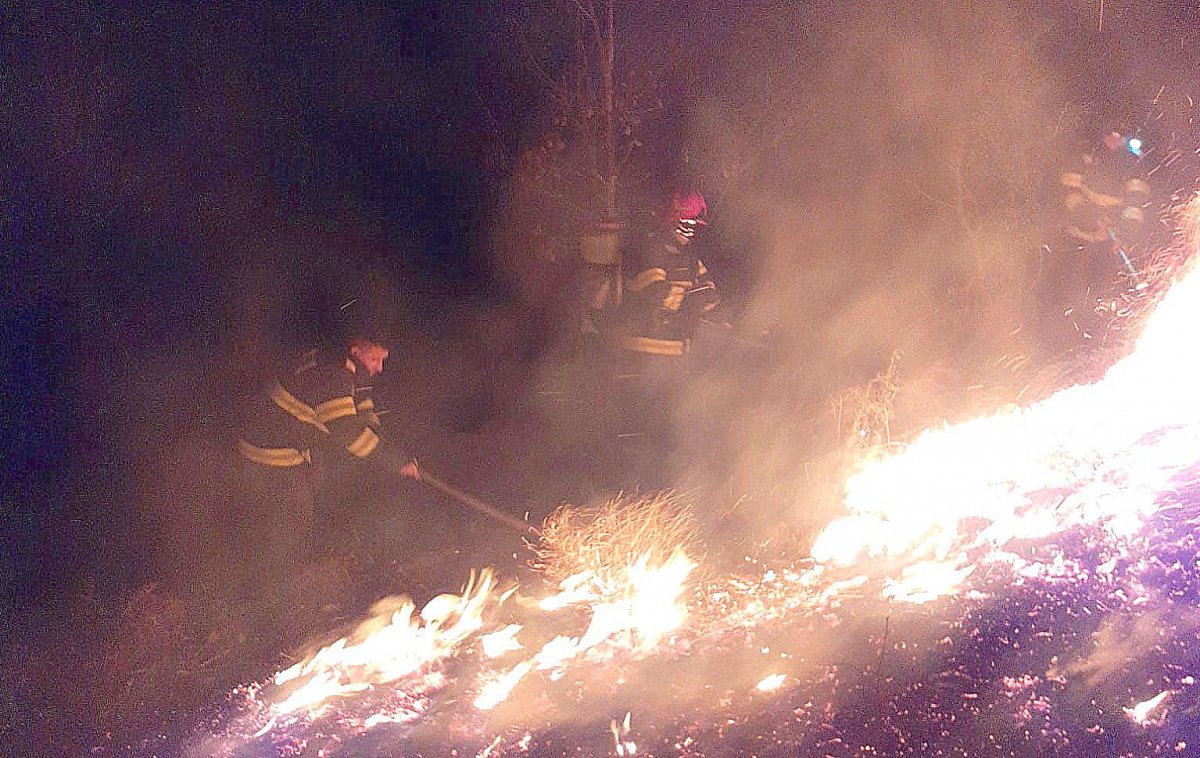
[864,412]
[606,540]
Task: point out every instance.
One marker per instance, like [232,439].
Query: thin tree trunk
[610,142]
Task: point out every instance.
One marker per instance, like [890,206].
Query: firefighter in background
[320,404]
[668,289]
[668,292]
[1106,199]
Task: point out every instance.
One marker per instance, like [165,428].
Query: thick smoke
[885,171]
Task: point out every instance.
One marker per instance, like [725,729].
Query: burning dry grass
[602,542]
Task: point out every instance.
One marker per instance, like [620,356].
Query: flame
[633,614]
[1141,713]
[390,645]
[1097,454]
[622,745]
[648,605]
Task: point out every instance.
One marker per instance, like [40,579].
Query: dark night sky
[177,179]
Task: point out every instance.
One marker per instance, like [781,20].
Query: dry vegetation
[604,541]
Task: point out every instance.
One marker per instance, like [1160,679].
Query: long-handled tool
[1120,248]
[476,504]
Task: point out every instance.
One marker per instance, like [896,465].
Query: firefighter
[1106,199]
[668,292]
[319,405]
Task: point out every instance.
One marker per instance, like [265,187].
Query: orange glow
[390,645]
[1096,454]
[632,615]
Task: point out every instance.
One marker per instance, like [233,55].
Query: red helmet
[687,214]
[690,206]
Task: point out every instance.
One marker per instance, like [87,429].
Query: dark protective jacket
[667,292]
[317,402]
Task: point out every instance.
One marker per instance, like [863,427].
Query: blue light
[1135,146]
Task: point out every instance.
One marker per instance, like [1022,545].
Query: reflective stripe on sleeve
[364,444]
[279,457]
[289,404]
[646,278]
[332,410]
[651,346]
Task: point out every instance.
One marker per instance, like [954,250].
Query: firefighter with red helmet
[668,288]
[1105,201]
[320,404]
[667,292]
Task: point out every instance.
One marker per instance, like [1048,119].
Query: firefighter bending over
[320,403]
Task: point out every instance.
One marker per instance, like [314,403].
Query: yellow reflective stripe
[289,404]
[364,444]
[1137,186]
[651,346]
[1100,198]
[646,278]
[332,410]
[281,457]
[674,299]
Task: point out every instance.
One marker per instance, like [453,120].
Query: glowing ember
[770,683]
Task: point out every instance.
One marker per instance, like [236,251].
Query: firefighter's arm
[650,283]
[364,405]
[1074,180]
[358,434]
[347,428]
[705,292]
[359,438]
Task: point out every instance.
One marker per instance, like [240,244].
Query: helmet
[688,213]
